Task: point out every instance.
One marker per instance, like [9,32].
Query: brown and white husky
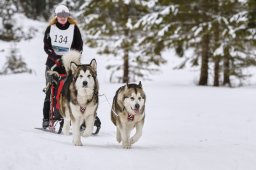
[128,112]
[79,97]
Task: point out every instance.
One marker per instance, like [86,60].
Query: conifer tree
[110,26]
[7,12]
[215,30]
[37,9]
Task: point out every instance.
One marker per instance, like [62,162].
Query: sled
[56,121]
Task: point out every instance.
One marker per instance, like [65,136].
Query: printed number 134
[61,39]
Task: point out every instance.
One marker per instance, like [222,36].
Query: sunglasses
[62,14]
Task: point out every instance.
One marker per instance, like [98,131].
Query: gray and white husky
[79,97]
[128,111]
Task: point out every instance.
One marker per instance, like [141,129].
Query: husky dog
[79,96]
[128,112]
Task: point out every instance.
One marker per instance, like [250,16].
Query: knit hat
[62,11]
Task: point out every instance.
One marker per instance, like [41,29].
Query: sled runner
[56,121]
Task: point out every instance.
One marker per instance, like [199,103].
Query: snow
[164,30]
[186,126]
[197,30]
[219,50]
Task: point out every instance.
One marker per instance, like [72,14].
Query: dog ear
[140,85]
[126,86]
[73,66]
[93,64]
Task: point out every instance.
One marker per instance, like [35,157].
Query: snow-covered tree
[38,9]
[216,30]
[7,10]
[110,26]
[15,63]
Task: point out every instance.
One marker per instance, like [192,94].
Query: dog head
[134,98]
[85,77]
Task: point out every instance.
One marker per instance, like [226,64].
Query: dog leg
[118,135]
[66,127]
[76,133]
[138,133]
[125,133]
[89,122]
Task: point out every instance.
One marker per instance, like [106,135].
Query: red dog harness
[130,117]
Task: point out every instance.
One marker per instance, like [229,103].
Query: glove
[55,56]
[56,59]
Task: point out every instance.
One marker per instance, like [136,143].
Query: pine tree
[237,43]
[110,25]
[15,63]
[37,9]
[7,11]
[215,30]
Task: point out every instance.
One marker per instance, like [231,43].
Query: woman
[61,35]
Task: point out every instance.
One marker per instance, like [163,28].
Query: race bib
[61,39]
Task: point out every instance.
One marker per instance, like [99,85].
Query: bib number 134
[61,39]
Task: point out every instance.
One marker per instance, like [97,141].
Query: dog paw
[127,145]
[77,143]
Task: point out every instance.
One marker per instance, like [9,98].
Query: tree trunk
[216,58]
[125,47]
[126,67]
[226,64]
[203,81]
[216,71]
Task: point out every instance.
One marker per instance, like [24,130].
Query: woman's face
[62,20]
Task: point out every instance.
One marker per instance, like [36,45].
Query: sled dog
[79,96]
[128,112]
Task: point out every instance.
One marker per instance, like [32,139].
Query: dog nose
[85,83]
[137,106]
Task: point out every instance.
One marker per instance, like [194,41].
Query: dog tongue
[136,110]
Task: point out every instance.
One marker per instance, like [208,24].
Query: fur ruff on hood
[70,20]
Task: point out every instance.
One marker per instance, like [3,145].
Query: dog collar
[82,109]
[130,117]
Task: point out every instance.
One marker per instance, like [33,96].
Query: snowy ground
[187,127]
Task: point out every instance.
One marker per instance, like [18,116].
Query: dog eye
[132,98]
[139,98]
[81,76]
[89,76]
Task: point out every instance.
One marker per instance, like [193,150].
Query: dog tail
[71,56]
